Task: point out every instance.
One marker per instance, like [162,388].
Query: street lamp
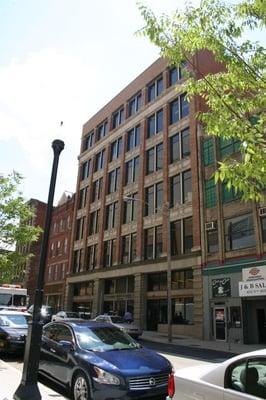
[166,212]
[28,388]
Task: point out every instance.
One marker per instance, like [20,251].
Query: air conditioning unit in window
[210,226]
[262,211]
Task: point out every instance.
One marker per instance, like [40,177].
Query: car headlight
[105,377]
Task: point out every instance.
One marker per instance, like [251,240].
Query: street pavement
[182,352]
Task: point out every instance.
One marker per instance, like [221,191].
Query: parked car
[46,313]
[130,328]
[63,315]
[240,377]
[13,330]
[98,361]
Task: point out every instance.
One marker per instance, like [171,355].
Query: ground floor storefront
[235,302]
[142,290]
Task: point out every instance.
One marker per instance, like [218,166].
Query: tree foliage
[16,231]
[236,96]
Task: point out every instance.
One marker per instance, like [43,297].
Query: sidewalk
[180,340]
[10,378]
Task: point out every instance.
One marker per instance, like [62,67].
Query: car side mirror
[67,345]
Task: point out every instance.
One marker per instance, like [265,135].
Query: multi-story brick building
[59,248]
[138,154]
[32,265]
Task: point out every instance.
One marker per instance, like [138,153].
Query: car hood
[14,331]
[131,362]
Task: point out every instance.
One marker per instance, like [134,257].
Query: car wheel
[81,389]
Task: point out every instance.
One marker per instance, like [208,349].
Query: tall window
[99,160]
[113,180]
[82,197]
[208,151]
[181,236]
[210,193]
[179,108]
[155,124]
[133,138]
[153,242]
[154,198]
[183,310]
[154,159]
[111,215]
[132,170]
[80,228]
[239,232]
[97,189]
[77,261]
[263,227]
[94,222]
[130,209]
[179,145]
[134,104]
[116,148]
[109,253]
[85,170]
[182,279]
[181,188]
[175,75]
[102,130]
[212,241]
[87,141]
[118,118]
[91,257]
[155,88]
[129,248]
[228,146]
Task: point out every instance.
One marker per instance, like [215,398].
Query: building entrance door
[261,325]
[219,323]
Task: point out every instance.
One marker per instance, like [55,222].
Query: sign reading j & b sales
[252,288]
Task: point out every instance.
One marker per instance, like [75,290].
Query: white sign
[254,273]
[252,288]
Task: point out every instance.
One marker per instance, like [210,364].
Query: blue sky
[62,60]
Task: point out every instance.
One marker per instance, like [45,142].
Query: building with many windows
[139,158]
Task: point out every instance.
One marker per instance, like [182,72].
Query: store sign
[254,273]
[252,288]
[221,287]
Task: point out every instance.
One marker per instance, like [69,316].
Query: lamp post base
[27,391]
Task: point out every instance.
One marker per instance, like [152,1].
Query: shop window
[157,282]
[183,310]
[235,317]
[208,151]
[210,193]
[239,232]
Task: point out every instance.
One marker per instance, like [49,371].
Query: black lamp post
[28,388]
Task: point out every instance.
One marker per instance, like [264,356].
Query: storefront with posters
[235,303]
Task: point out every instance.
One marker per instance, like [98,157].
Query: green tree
[236,96]
[16,231]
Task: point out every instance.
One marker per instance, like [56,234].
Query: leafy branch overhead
[16,229]
[236,95]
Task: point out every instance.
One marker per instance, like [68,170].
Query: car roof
[80,323]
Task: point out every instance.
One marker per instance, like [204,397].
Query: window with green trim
[210,193]
[208,151]
[228,146]
[229,194]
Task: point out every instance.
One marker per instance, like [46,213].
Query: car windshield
[105,339]
[14,321]
[117,320]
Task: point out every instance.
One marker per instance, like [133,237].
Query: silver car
[121,323]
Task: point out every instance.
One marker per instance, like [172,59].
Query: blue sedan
[97,361]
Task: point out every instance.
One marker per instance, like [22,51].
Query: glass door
[219,322]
